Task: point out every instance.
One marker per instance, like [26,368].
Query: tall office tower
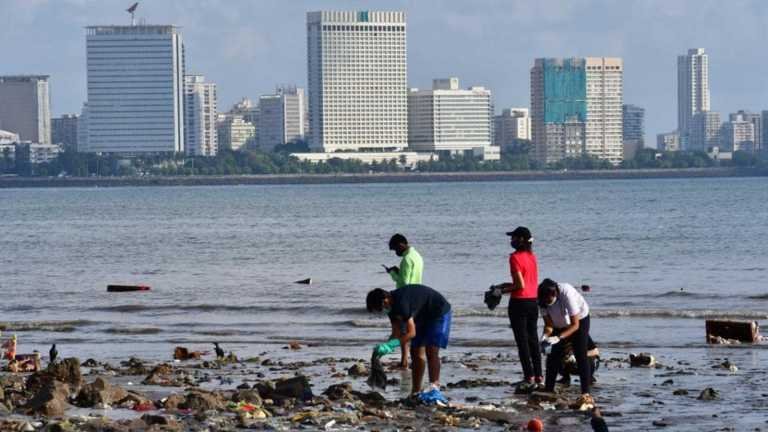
[449,119]
[25,107]
[704,132]
[64,130]
[669,141]
[692,90]
[200,116]
[738,134]
[757,123]
[282,117]
[512,127]
[633,130]
[576,108]
[358,95]
[135,89]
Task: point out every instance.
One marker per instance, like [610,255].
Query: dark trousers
[523,316]
[578,340]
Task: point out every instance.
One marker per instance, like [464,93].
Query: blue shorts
[433,333]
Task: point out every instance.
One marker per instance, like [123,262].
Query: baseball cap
[521,231]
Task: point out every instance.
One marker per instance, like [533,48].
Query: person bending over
[566,319]
[427,318]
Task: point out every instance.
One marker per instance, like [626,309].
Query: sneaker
[433,397]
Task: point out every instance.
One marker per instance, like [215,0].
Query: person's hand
[403,364]
[497,291]
[393,269]
[552,340]
[385,348]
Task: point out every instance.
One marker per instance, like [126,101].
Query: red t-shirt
[525,263]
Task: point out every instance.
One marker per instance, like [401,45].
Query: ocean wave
[138,308]
[635,313]
[758,297]
[49,326]
[133,330]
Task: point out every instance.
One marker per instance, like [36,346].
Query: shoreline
[309,179]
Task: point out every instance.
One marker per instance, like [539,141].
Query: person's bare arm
[571,329]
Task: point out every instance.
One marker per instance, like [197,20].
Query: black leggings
[578,340]
[523,316]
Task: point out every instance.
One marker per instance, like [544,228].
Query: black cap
[520,231]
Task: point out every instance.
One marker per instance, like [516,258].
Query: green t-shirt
[411,268]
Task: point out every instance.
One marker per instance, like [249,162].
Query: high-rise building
[738,134]
[633,130]
[757,124]
[64,130]
[82,129]
[704,132]
[25,107]
[692,90]
[200,116]
[576,108]
[669,141]
[512,127]
[282,117]
[135,89]
[234,133]
[449,119]
[358,95]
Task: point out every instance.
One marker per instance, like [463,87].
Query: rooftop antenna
[132,10]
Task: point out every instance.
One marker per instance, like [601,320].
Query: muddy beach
[271,392]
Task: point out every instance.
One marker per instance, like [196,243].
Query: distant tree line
[252,161]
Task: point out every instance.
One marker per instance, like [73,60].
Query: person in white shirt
[566,319]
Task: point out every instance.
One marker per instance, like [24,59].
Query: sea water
[661,256]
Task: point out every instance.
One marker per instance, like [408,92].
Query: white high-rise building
[692,90]
[738,134]
[358,95]
[282,117]
[200,116]
[449,119]
[511,127]
[25,107]
[135,89]
[576,108]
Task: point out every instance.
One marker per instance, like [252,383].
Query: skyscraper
[633,130]
[512,127]
[704,131]
[135,89]
[25,107]
[282,117]
[449,119]
[576,108]
[200,116]
[64,130]
[358,95]
[692,90]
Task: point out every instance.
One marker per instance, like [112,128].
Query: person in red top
[523,310]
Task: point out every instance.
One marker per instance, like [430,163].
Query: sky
[248,47]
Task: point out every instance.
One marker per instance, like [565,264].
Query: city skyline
[486,43]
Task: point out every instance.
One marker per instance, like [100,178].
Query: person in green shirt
[411,266]
[409,273]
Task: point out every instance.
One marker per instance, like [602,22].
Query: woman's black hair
[547,288]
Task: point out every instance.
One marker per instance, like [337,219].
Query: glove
[385,348]
[547,342]
[552,340]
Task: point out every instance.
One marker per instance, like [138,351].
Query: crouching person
[566,322]
[427,317]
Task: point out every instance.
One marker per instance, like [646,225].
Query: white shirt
[569,302]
